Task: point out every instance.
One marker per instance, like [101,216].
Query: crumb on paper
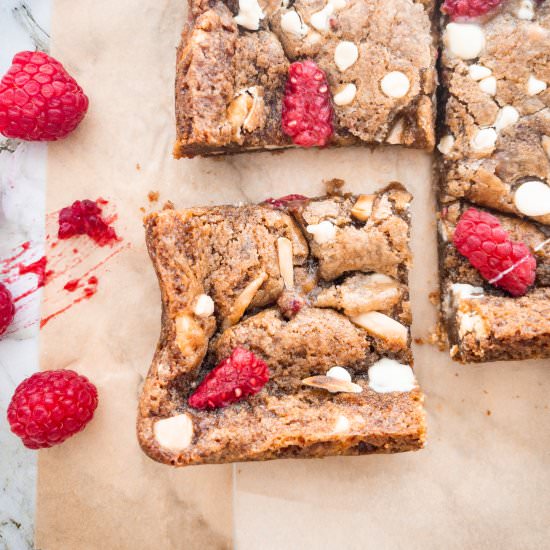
[138,166]
[153,196]
[419,340]
[142,209]
[334,186]
[168,205]
[488,412]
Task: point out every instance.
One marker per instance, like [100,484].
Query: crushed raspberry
[290,303]
[238,376]
[285,201]
[502,262]
[465,9]
[84,218]
[307,109]
[7,308]
[51,406]
[39,100]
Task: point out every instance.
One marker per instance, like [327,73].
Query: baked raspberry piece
[502,262]
[307,108]
[283,202]
[7,308]
[466,9]
[240,375]
[39,100]
[49,407]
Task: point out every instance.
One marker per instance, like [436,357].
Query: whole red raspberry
[84,218]
[285,201]
[51,406]
[7,308]
[240,375]
[307,109]
[502,262]
[465,9]
[39,100]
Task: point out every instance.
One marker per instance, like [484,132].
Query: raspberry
[84,218]
[282,202]
[39,100]
[7,308]
[49,407]
[236,377]
[463,9]
[307,110]
[504,263]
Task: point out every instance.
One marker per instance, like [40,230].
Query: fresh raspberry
[240,375]
[39,100]
[307,110]
[49,407]
[84,218]
[465,9]
[7,308]
[480,237]
[282,202]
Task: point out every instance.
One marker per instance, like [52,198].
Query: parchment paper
[482,481]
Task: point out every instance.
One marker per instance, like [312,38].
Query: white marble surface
[23,25]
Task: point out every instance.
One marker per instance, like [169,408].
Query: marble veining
[23,26]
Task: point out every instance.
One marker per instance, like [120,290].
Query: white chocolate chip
[395,84]
[535,86]
[484,139]
[532,198]
[322,232]
[545,142]
[446,144]
[462,291]
[291,23]
[249,14]
[340,373]
[204,307]
[286,261]
[342,424]
[477,72]
[526,10]
[387,375]
[345,55]
[488,85]
[321,19]
[175,433]
[464,40]
[345,94]
[507,116]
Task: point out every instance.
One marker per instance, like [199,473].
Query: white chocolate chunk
[342,424]
[345,95]
[204,307]
[345,54]
[321,19]
[175,433]
[488,85]
[484,139]
[535,86]
[526,10]
[338,4]
[322,232]
[340,373]
[189,334]
[477,72]
[286,261]
[446,144]
[462,291]
[471,322]
[292,24]
[545,142]
[532,198]
[250,14]
[507,116]
[387,375]
[395,84]
[464,40]
[384,327]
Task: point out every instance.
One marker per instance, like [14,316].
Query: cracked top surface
[226,251]
[219,60]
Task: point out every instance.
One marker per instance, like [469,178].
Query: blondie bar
[285,331]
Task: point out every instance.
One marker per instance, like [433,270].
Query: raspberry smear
[466,9]
[238,376]
[502,262]
[307,110]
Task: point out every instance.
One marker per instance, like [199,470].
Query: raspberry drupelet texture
[238,376]
[504,263]
[467,9]
[7,308]
[307,109]
[51,406]
[39,100]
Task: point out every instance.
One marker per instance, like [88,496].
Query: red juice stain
[72,285]
[38,268]
[85,218]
